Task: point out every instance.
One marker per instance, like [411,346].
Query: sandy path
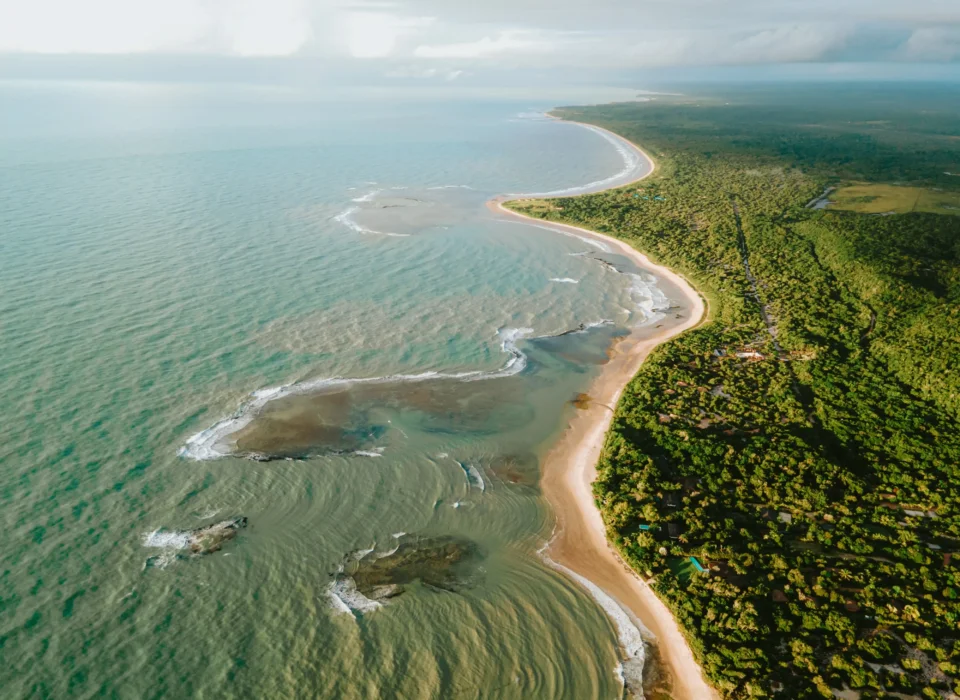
[580,541]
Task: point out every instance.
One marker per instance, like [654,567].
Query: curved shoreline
[580,541]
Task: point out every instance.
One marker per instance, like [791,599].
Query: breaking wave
[166,539]
[630,632]
[634,166]
[346,218]
[207,443]
[375,452]
[169,542]
[368,197]
[647,297]
[599,245]
[474,478]
[345,598]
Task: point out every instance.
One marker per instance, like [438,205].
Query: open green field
[536,207]
[869,198]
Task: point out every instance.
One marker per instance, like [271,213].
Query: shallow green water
[169,254]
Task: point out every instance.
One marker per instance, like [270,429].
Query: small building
[671,499]
[778,597]
[785,517]
[674,530]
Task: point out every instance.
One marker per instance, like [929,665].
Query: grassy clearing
[683,568]
[882,199]
[534,207]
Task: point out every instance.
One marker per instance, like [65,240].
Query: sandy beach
[580,543]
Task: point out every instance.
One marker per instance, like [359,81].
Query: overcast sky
[451,40]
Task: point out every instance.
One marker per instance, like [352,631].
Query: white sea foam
[648,298]
[166,539]
[618,672]
[451,187]
[375,452]
[345,598]
[346,218]
[398,535]
[630,632]
[633,168]
[210,443]
[389,552]
[169,542]
[361,553]
[599,245]
[564,280]
[597,324]
[368,197]
[474,478]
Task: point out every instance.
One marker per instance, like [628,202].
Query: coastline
[580,541]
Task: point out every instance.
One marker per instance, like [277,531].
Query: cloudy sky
[450,40]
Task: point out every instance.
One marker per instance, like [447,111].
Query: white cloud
[453,35]
[376,34]
[237,27]
[100,26]
[266,27]
[932,44]
[789,44]
[795,43]
[511,41]
[424,73]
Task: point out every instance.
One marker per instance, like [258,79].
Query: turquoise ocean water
[192,282]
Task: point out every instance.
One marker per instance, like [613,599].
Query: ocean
[242,302]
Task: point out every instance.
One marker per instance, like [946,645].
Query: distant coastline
[579,545]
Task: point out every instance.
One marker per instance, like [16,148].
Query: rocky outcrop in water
[521,469]
[210,538]
[445,563]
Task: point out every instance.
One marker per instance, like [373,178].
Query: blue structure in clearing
[697,564]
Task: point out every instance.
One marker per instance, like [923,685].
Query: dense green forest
[816,475]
